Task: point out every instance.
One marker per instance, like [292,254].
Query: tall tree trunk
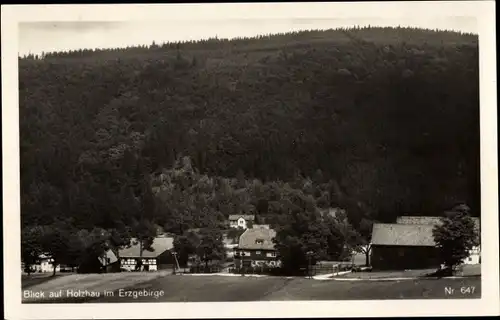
[140,254]
[367,255]
[140,249]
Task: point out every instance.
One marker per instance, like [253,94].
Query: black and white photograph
[242,154]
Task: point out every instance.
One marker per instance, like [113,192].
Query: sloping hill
[390,115]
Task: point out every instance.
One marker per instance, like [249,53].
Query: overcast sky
[40,37]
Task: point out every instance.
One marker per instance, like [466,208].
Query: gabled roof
[418,220]
[249,239]
[427,220]
[109,254]
[159,246]
[244,216]
[403,234]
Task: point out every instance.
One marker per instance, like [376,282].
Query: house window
[259,241]
[271,254]
[257,252]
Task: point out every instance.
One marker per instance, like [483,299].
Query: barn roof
[159,246]
[249,239]
[403,235]
[427,220]
[418,220]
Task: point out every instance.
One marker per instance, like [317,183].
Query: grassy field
[38,278]
[91,282]
[219,288]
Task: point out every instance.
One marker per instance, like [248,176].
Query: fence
[256,270]
[314,270]
[330,268]
[205,269]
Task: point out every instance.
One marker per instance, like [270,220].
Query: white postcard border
[484,11]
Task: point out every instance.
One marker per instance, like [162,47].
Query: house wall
[163,261]
[129,264]
[256,258]
[474,256]
[240,223]
[402,257]
[45,265]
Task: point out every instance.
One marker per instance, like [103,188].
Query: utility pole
[176,261]
[242,254]
[140,253]
[309,265]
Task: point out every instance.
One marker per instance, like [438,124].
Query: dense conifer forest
[379,122]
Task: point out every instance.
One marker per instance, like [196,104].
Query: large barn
[400,246]
[409,244]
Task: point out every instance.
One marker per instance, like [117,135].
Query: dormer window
[259,241]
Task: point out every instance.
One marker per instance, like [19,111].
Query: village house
[43,264]
[409,244]
[243,221]
[256,248]
[108,262]
[158,257]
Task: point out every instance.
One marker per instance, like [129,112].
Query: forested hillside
[378,121]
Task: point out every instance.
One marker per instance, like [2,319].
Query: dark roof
[244,216]
[429,220]
[159,246]
[409,231]
[418,220]
[248,240]
[403,234]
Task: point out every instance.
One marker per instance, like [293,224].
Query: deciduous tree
[455,236]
